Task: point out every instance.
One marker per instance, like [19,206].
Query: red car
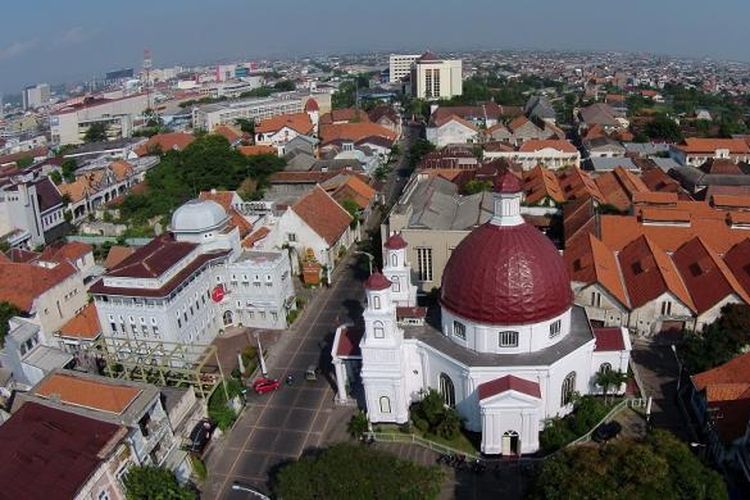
[265,385]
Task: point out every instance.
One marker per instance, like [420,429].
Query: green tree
[25,162]
[719,341]
[351,206]
[97,132]
[7,311]
[146,483]
[68,168]
[476,186]
[349,471]
[661,466]
[56,177]
[609,378]
[246,125]
[663,128]
[284,86]
[418,150]
[357,425]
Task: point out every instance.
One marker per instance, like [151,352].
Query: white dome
[198,216]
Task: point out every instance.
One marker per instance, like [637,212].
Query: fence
[396,437]
[100,240]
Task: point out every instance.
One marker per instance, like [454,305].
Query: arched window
[447,390]
[228,320]
[568,388]
[395,284]
[385,404]
[378,329]
[376,302]
[394,260]
[605,368]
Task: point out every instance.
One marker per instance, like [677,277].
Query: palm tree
[610,378]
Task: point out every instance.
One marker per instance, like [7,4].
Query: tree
[719,341]
[68,168]
[610,378]
[350,471]
[154,482]
[25,162]
[7,311]
[358,425]
[97,132]
[433,416]
[284,86]
[351,206]
[418,150]
[246,125]
[56,177]
[660,466]
[476,186]
[663,128]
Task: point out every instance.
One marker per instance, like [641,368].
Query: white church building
[507,348]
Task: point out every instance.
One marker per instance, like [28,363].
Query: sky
[59,41]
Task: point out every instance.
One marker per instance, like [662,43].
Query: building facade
[433,78]
[399,66]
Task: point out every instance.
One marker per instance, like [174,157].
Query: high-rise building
[36,96]
[400,66]
[435,78]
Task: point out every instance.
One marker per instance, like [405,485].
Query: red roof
[22,283]
[349,341]
[411,312]
[537,145]
[311,105]
[50,453]
[165,142]
[507,276]
[508,183]
[377,282]
[324,216]
[738,260]
[709,146]
[154,259]
[508,383]
[609,339]
[395,242]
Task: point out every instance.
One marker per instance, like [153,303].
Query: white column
[341,395]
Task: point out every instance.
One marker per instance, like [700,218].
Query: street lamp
[370,257]
[241,487]
[679,368]
[260,356]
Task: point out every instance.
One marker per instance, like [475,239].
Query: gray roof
[580,334]
[666,164]
[605,144]
[23,331]
[646,148]
[692,177]
[437,204]
[47,358]
[607,164]
[599,114]
[539,107]
[300,162]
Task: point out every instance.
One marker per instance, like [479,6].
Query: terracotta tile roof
[240,222]
[619,186]
[257,150]
[657,180]
[223,198]
[255,237]
[20,255]
[727,390]
[708,279]
[70,251]
[723,166]
[299,122]
[699,145]
[540,183]
[738,261]
[508,383]
[609,339]
[590,261]
[116,255]
[50,453]
[76,190]
[165,142]
[231,134]
[323,214]
[354,132]
[411,312]
[349,341]
[121,169]
[730,201]
[87,392]
[537,145]
[648,273]
[518,122]
[85,325]
[351,187]
[577,184]
[344,115]
[498,146]
[22,283]
[453,118]
[153,259]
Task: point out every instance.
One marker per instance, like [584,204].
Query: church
[508,348]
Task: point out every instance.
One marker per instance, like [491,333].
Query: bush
[431,415]
[154,482]
[559,432]
[347,471]
[199,468]
[218,411]
[358,425]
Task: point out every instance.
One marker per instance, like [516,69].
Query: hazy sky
[61,40]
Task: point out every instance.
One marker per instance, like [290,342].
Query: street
[276,428]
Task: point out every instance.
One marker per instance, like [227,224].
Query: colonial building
[187,285]
[507,349]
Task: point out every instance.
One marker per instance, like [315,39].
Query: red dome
[395,242]
[511,275]
[377,282]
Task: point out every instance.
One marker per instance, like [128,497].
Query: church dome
[506,275]
[198,216]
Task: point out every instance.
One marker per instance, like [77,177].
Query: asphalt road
[276,428]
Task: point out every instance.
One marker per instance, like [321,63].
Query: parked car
[265,385]
[607,431]
[200,436]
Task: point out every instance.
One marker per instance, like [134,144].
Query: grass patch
[199,468]
[218,410]
[560,432]
[464,440]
